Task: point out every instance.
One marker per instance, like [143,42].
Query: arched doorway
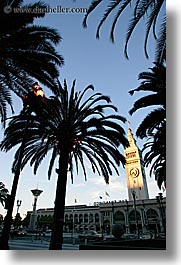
[86,218]
[134,220]
[106,226]
[119,218]
[153,222]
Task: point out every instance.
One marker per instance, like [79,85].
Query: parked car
[132,236]
[161,235]
[48,232]
[91,235]
[19,232]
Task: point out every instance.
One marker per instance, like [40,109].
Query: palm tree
[151,10]
[155,154]
[27,52]
[154,81]
[153,127]
[74,131]
[3,194]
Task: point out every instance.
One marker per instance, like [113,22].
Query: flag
[107,194]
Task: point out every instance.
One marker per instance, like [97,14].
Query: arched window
[91,218]
[76,218]
[119,217]
[152,214]
[86,218]
[96,217]
[81,218]
[132,215]
[66,217]
[71,217]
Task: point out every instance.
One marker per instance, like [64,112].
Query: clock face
[134,172]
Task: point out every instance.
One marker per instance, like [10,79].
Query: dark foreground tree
[153,12]
[155,154]
[153,127]
[74,129]
[3,194]
[27,51]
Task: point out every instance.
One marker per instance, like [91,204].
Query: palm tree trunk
[8,219]
[57,231]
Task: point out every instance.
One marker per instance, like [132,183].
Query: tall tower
[135,172]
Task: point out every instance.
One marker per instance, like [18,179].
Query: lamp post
[73,228]
[145,219]
[161,209]
[37,92]
[112,203]
[17,218]
[18,205]
[127,218]
[136,219]
[112,223]
[36,193]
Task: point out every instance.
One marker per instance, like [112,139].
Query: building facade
[137,214]
[150,216]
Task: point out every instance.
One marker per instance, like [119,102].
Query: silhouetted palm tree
[26,52]
[74,129]
[150,10]
[155,154]
[154,124]
[154,81]
[3,193]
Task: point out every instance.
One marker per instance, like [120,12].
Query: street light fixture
[136,219]
[18,205]
[38,92]
[159,199]
[36,193]
[73,228]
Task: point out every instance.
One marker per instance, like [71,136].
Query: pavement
[16,244]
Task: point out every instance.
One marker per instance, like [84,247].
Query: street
[24,244]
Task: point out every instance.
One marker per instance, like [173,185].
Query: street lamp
[145,218]
[18,205]
[127,218]
[112,213]
[36,193]
[136,219]
[73,228]
[17,218]
[28,99]
[38,91]
[161,209]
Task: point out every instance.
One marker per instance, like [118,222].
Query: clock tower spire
[135,172]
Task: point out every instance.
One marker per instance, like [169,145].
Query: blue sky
[89,61]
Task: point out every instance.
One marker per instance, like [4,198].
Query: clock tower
[135,172]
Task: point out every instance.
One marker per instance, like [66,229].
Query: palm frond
[150,10]
[93,5]
[66,122]
[161,44]
[109,9]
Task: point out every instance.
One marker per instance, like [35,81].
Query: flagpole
[107,195]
